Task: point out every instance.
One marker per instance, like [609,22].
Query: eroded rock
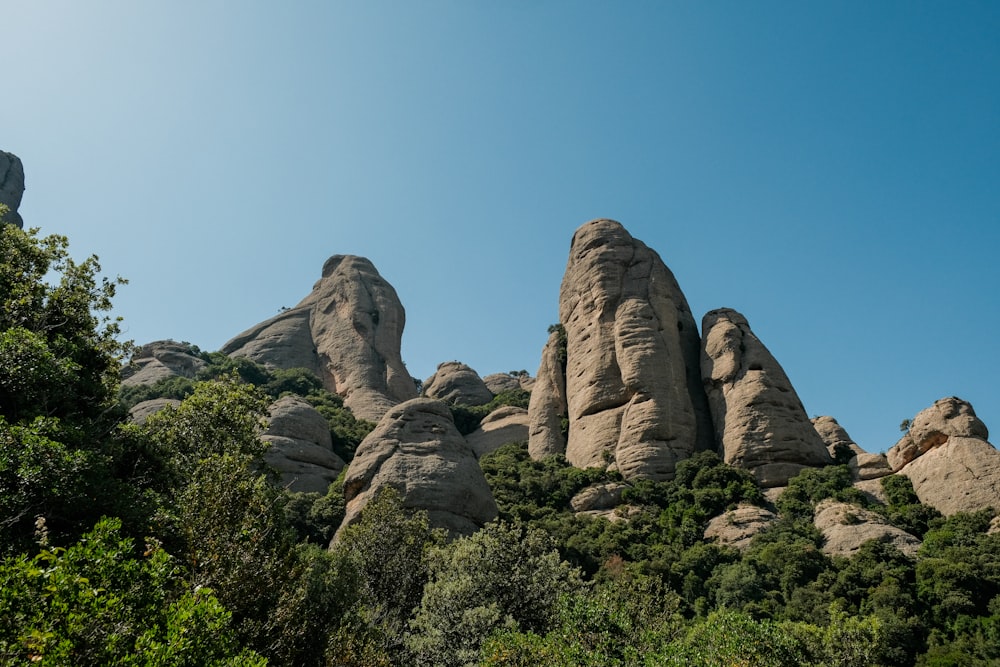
[838,443]
[737,527]
[161,360]
[140,412]
[454,382]
[11,187]
[348,331]
[417,450]
[547,406]
[933,426]
[758,417]
[301,446]
[846,527]
[502,426]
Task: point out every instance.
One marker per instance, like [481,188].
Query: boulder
[759,419]
[160,360]
[454,383]
[501,382]
[11,187]
[869,466]
[301,449]
[417,450]
[846,527]
[632,388]
[348,331]
[737,527]
[504,425]
[933,426]
[605,496]
[835,437]
[140,412]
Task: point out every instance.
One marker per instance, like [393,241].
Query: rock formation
[846,527]
[737,527]
[417,450]
[347,330]
[11,187]
[501,382]
[759,419]
[454,382]
[948,459]
[301,446]
[140,412]
[547,407]
[503,425]
[632,388]
[833,435]
[160,360]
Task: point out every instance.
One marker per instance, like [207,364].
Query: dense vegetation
[165,543]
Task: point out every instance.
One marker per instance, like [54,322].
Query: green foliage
[903,508]
[468,417]
[503,576]
[812,485]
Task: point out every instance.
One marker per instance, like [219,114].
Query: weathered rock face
[933,426]
[846,527]
[632,388]
[503,425]
[758,417]
[835,437]
[737,527]
[140,412]
[501,382]
[347,331]
[301,446]
[598,497]
[454,382]
[160,360]
[417,450]
[547,406]
[11,187]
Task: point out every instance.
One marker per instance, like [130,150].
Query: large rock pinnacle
[11,186]
[348,331]
[759,419]
[633,393]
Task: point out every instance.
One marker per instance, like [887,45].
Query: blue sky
[830,170]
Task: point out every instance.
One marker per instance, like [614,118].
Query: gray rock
[140,412]
[933,426]
[834,436]
[758,417]
[160,360]
[417,450]
[301,447]
[454,382]
[504,425]
[599,497]
[348,331]
[869,466]
[501,382]
[632,386]
[737,527]
[846,527]
[547,408]
[11,187]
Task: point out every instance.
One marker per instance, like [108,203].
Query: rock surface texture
[417,450]
[501,382]
[948,459]
[759,419]
[141,411]
[633,395]
[503,425]
[547,405]
[11,187]
[737,527]
[301,446]
[846,527]
[160,360]
[835,437]
[348,331]
[454,382]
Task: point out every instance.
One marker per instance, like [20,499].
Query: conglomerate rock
[160,360]
[738,526]
[933,426]
[348,331]
[633,396]
[758,417]
[11,187]
[301,446]
[417,450]
[454,382]
[846,527]
[504,425]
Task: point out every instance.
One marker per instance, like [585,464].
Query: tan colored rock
[872,488]
[456,383]
[605,496]
[994,525]
[758,417]
[869,466]
[140,412]
[834,436]
[737,527]
[301,446]
[547,407]
[504,425]
[500,382]
[161,360]
[846,527]
[417,450]
[632,388]
[961,475]
[11,187]
[933,426]
[348,331]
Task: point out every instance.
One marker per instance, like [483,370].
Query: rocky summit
[347,331]
[11,187]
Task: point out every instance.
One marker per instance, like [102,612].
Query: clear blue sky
[831,170]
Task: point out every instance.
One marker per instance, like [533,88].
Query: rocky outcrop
[417,450]
[454,382]
[347,330]
[547,407]
[301,449]
[632,389]
[605,496]
[140,412]
[11,187]
[833,435]
[504,425]
[945,454]
[498,383]
[160,360]
[846,527]
[759,419]
[737,527]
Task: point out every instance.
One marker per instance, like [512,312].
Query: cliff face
[348,331]
[11,187]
